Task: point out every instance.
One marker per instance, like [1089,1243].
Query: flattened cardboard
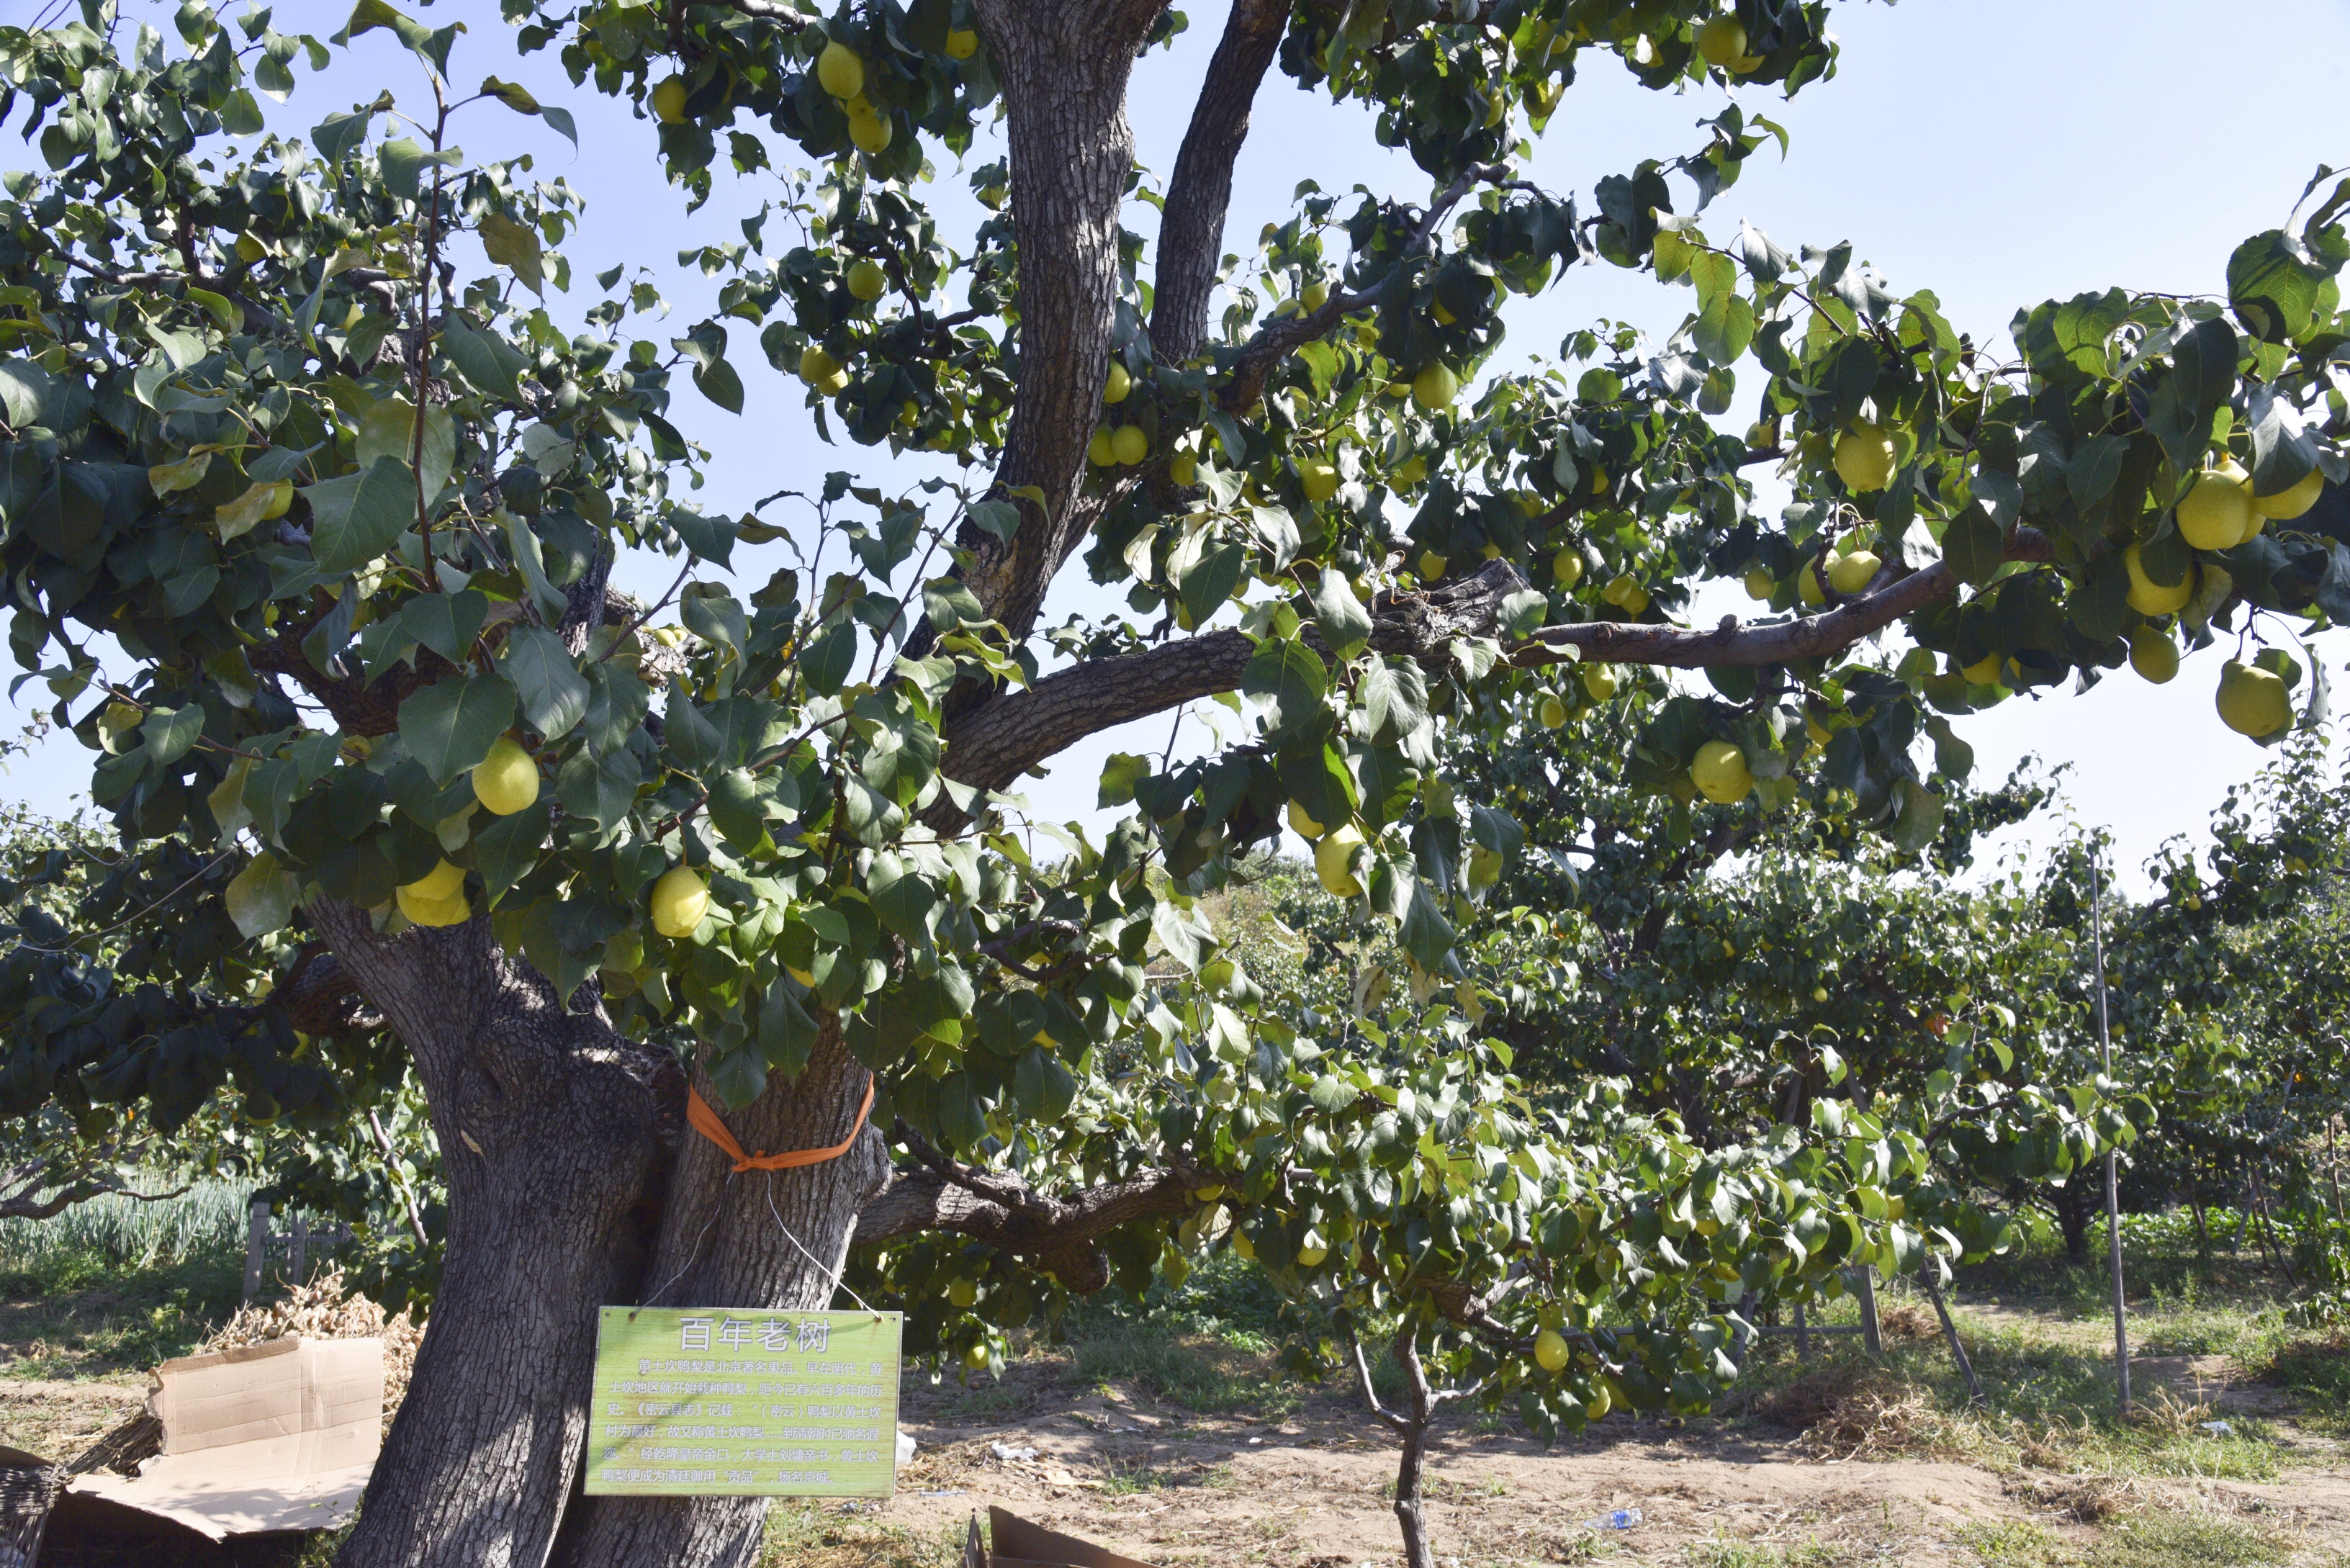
[1019,1544]
[280,1436]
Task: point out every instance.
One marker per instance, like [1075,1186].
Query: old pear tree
[320,461]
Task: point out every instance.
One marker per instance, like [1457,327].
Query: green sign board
[706,1402]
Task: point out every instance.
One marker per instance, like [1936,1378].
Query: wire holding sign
[743,1403]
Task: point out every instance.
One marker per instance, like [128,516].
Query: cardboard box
[256,1439]
[1020,1545]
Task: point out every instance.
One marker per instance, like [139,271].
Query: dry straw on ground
[324,1308]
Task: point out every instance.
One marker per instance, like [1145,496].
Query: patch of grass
[819,1535]
[1205,1374]
[2014,1543]
[78,1316]
[1737,1551]
[2166,1540]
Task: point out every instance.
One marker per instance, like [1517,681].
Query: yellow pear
[1098,451]
[1311,1249]
[1720,773]
[1984,671]
[2252,700]
[821,370]
[1760,583]
[865,279]
[1183,469]
[1808,590]
[2153,655]
[507,780]
[871,132]
[2149,598]
[1319,479]
[680,900]
[1566,567]
[1431,565]
[441,881]
[2291,502]
[1334,857]
[1552,713]
[962,44]
[963,1292]
[2216,513]
[1863,457]
[1435,387]
[840,71]
[1599,679]
[669,100]
[452,911]
[1850,574]
[1550,1350]
[1301,823]
[1128,446]
[1722,42]
[1120,382]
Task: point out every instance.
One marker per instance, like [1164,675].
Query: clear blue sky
[1998,152]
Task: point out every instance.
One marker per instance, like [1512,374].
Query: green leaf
[719,383]
[337,136]
[359,516]
[445,623]
[531,560]
[403,162]
[738,812]
[1395,698]
[507,849]
[900,896]
[1118,776]
[485,360]
[24,390]
[1425,934]
[826,663]
[786,1032]
[598,789]
[2273,292]
[710,538]
[451,724]
[554,694]
[1973,545]
[168,732]
[617,702]
[1045,1088]
[241,516]
[691,737]
[1345,625]
[1288,676]
[516,246]
[1724,328]
[260,899]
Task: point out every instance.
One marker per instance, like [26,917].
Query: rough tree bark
[755,1238]
[1064,66]
[1199,192]
[552,1131]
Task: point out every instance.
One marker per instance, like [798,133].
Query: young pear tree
[320,464]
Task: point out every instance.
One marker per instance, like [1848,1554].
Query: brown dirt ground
[1313,1491]
[59,1420]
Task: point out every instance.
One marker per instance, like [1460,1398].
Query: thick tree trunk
[1064,65]
[553,1131]
[759,1239]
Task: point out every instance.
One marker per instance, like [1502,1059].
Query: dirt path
[1313,1491]
[59,1420]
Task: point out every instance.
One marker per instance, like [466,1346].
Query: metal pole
[2113,1180]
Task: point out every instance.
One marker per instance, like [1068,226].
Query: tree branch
[996,742]
[1060,1233]
[1277,339]
[1199,192]
[28,1178]
[1733,643]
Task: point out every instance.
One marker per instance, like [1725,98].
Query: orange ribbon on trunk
[705,1122]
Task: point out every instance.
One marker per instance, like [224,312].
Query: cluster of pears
[2219,510]
[1852,566]
[840,71]
[1121,445]
[505,781]
[1333,851]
